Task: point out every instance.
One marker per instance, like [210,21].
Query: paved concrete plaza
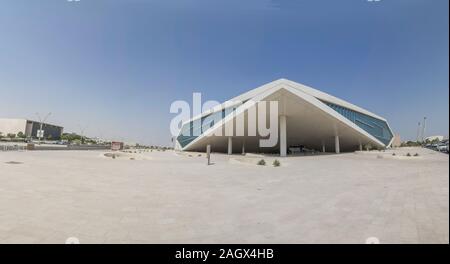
[165,197]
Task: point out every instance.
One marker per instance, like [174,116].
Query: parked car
[442,147]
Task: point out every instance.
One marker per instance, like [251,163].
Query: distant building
[431,138]
[29,128]
[396,141]
[116,145]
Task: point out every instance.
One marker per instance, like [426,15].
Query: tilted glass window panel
[195,129]
[375,127]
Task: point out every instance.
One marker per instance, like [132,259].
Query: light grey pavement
[164,197]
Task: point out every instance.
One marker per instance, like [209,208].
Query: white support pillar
[360,146]
[243,147]
[336,144]
[283,150]
[208,153]
[323,146]
[230,146]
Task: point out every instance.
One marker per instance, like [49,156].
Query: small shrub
[262,162]
[113,156]
[276,163]
[416,155]
[393,154]
[408,154]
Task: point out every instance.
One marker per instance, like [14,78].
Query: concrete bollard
[208,154]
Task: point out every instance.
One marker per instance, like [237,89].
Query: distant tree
[1,134]
[49,137]
[70,137]
[11,135]
[435,140]
[368,146]
[410,144]
[90,141]
[20,135]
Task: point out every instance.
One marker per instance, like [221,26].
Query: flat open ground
[165,197]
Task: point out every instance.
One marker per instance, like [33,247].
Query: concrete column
[323,147]
[230,146]
[336,144]
[360,147]
[208,153]
[243,147]
[283,150]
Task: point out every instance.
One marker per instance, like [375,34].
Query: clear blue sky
[117,65]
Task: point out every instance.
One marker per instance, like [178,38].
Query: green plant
[21,134]
[410,144]
[393,154]
[408,154]
[71,137]
[416,155]
[276,163]
[262,162]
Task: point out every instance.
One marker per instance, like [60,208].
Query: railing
[12,148]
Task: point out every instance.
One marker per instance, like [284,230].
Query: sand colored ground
[165,197]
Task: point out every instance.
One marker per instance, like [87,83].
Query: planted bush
[262,162]
[416,155]
[408,154]
[276,163]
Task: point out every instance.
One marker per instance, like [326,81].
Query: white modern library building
[307,119]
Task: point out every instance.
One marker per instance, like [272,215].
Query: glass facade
[376,127]
[50,131]
[195,128]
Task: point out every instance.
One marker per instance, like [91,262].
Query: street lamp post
[418,133]
[423,128]
[40,133]
[82,133]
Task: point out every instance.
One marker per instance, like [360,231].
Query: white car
[442,147]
